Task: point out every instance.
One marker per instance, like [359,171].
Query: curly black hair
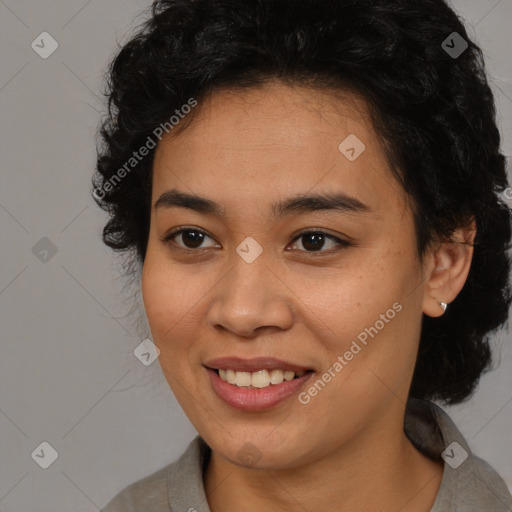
[429,100]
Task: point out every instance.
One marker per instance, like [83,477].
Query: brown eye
[313,241]
[192,239]
[316,241]
[188,238]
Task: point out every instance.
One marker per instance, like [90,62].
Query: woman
[312,191]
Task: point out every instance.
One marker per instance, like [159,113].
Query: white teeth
[243,379]
[276,376]
[259,379]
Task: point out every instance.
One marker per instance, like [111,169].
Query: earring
[443,305]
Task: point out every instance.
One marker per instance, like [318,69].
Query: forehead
[274,141]
[275,116]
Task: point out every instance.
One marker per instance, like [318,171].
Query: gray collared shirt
[469,484]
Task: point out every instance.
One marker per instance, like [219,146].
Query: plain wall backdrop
[68,375]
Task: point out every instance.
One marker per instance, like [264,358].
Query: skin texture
[345,450]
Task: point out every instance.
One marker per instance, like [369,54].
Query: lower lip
[253,399]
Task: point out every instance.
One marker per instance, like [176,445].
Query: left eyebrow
[304,203]
[318,202]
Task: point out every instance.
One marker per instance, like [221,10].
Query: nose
[251,299]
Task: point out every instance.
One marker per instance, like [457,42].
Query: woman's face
[343,302]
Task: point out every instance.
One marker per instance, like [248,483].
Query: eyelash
[342,244]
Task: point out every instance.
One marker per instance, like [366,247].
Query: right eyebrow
[191,201]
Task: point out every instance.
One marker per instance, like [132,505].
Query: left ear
[447,268]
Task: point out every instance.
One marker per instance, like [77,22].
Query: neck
[384,472]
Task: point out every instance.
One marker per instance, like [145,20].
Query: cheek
[372,318]
[164,297]
[174,300]
[355,297]
[156,296]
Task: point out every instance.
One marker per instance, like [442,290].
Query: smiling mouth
[258,379]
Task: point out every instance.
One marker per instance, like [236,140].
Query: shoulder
[473,487]
[151,491]
[169,488]
[489,491]
[469,483]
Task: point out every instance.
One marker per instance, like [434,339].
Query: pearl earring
[443,305]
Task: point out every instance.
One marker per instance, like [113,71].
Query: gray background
[68,375]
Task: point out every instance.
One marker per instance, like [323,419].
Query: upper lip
[254,364]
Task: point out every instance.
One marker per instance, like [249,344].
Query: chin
[255,450]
